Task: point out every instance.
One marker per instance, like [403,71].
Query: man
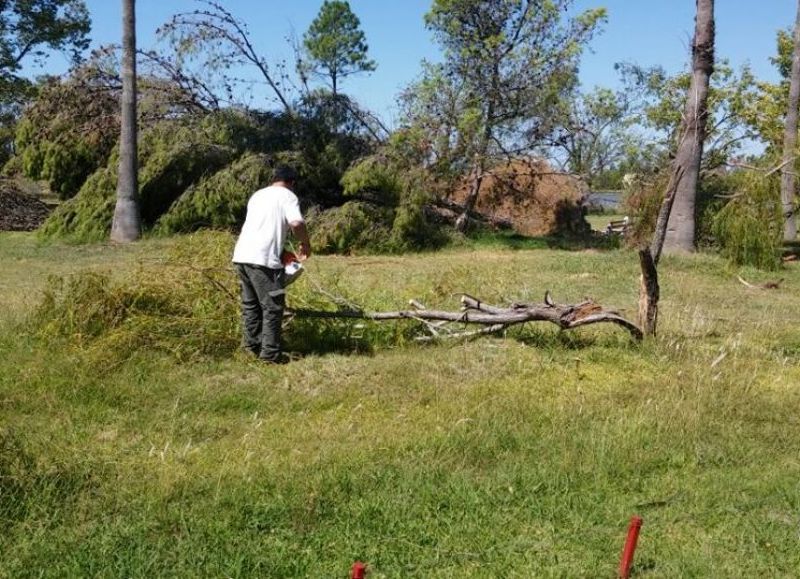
[270,213]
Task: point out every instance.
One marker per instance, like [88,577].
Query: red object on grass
[359,570]
[630,547]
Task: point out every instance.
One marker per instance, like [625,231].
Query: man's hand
[301,234]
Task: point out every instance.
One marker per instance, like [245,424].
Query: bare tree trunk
[479,164]
[462,222]
[788,180]
[126,226]
[681,225]
[675,224]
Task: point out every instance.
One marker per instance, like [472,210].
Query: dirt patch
[20,211]
[534,198]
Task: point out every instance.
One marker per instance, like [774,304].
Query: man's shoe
[280,359]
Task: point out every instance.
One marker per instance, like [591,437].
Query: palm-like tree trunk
[679,198]
[788,179]
[126,226]
[681,224]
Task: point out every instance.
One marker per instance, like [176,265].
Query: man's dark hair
[284,173]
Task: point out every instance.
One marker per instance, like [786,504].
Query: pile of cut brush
[20,211]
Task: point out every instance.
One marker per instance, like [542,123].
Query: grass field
[599,222]
[515,456]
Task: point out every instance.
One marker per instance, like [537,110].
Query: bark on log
[649,293]
[494,318]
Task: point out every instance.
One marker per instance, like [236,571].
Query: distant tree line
[506,89]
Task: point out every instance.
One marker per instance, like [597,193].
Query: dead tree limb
[649,293]
[761,286]
[494,318]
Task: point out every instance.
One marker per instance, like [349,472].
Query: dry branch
[762,286]
[494,318]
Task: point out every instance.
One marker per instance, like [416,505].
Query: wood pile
[20,211]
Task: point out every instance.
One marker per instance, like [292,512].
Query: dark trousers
[263,300]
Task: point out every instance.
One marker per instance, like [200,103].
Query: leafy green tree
[749,227]
[335,45]
[595,133]
[31,27]
[731,97]
[508,64]
[68,131]
[28,30]
[766,113]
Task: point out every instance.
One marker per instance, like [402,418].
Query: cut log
[649,293]
[493,318]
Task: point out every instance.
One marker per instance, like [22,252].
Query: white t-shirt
[269,213]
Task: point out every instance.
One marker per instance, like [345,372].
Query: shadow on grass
[320,337]
[511,240]
[371,338]
[31,493]
[546,337]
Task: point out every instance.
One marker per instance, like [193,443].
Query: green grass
[518,456]
[600,221]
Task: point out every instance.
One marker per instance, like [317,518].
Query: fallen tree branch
[475,311]
[761,286]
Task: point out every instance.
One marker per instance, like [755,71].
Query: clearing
[517,456]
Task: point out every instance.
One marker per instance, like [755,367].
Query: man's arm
[301,234]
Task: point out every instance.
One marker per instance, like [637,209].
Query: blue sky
[648,32]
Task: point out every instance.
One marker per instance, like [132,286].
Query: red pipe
[359,570]
[630,547]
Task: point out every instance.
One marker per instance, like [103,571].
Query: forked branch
[493,318]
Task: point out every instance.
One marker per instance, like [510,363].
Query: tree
[69,130]
[594,133]
[225,44]
[509,63]
[28,30]
[30,27]
[788,179]
[679,234]
[335,45]
[126,226]
[732,95]
[687,161]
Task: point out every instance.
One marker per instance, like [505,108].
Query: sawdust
[533,197]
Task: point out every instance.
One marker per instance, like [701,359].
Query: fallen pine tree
[446,324]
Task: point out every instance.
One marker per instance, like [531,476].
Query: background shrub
[749,228]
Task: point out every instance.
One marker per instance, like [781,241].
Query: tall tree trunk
[681,225]
[479,160]
[679,197]
[788,180]
[478,169]
[126,226]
